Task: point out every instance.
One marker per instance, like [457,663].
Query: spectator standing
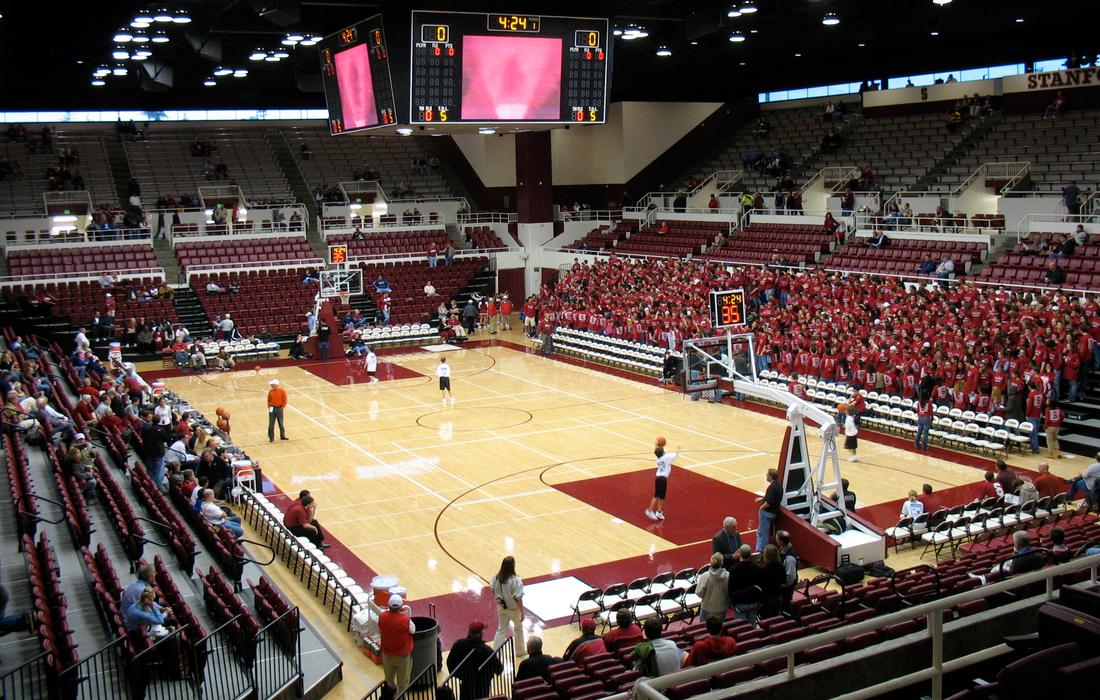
[507,590]
[153,443]
[789,560]
[772,582]
[324,333]
[925,411]
[745,586]
[712,588]
[726,541]
[396,629]
[276,404]
[1052,423]
[769,509]
[471,660]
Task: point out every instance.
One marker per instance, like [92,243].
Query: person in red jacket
[585,646]
[714,647]
[625,634]
[396,629]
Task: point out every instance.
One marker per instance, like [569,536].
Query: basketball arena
[555,351]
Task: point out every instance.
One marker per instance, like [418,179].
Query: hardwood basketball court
[548,460]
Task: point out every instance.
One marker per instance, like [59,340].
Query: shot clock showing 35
[727,308]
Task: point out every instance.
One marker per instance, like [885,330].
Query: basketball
[221,413]
[256,367]
[661,442]
[842,408]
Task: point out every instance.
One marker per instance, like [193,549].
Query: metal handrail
[18,280]
[650,688]
[194,270]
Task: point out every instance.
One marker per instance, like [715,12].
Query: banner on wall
[1053,80]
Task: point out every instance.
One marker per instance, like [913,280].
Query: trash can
[424,647]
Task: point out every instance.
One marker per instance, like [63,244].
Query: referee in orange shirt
[276,403]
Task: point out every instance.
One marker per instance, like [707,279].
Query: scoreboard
[727,308]
[355,72]
[489,68]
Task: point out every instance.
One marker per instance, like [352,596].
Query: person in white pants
[507,589]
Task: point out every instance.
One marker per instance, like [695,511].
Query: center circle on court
[473,418]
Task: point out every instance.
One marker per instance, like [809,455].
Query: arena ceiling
[51,49]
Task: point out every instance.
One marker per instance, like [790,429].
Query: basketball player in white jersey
[443,371]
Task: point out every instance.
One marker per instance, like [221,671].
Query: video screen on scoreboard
[491,67]
[355,72]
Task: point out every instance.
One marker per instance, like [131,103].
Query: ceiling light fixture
[733,12]
[737,37]
[271,58]
[484,130]
[222,70]
[617,32]
[99,82]
[311,40]
[144,17]
[120,54]
[181,17]
[141,38]
[664,52]
[295,37]
[941,2]
[695,43]
[280,54]
[163,16]
[830,19]
[288,42]
[240,73]
[160,37]
[102,71]
[861,45]
[934,33]
[1019,20]
[210,82]
[139,25]
[122,36]
[140,56]
[120,70]
[405,131]
[257,55]
[747,8]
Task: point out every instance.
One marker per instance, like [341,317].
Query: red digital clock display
[727,308]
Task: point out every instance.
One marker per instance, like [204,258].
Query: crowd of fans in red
[987,349]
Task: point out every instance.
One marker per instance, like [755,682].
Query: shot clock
[355,72]
[501,67]
[727,308]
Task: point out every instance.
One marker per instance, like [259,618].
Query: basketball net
[345,297]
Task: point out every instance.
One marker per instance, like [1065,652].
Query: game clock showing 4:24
[727,308]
